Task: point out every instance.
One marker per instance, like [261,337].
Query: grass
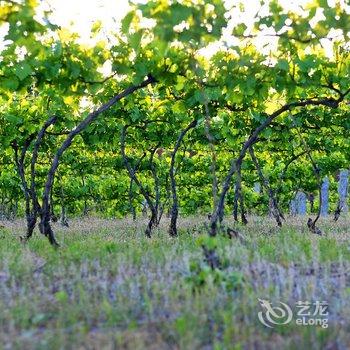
[110,287]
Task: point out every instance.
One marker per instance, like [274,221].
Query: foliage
[231,91]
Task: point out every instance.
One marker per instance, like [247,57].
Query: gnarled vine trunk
[132,174]
[45,226]
[175,205]
[273,205]
[32,206]
[219,210]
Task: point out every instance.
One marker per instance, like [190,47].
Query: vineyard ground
[110,287]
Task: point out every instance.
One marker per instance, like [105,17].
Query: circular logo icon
[274,315]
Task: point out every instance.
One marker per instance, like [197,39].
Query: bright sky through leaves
[79,15]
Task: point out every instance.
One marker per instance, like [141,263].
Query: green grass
[110,287]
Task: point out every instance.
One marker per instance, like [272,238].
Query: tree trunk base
[313,228]
[46,230]
[211,258]
[31,223]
